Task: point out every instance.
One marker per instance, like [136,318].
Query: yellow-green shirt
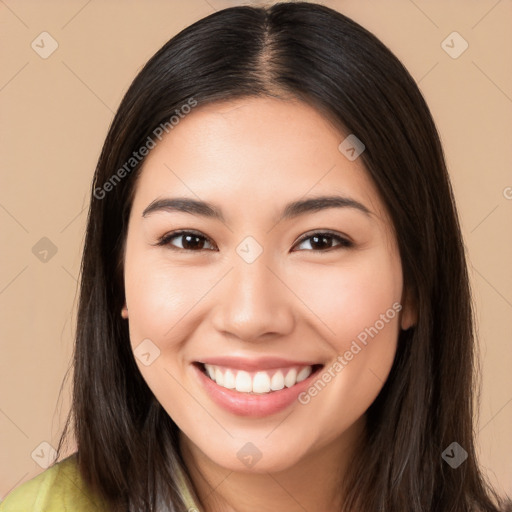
[60,488]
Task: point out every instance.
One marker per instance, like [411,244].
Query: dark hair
[128,448]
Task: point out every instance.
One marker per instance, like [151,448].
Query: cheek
[349,298]
[161,300]
[360,305]
[344,299]
[158,297]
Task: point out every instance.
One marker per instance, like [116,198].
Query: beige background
[54,116]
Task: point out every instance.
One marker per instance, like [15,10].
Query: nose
[254,304]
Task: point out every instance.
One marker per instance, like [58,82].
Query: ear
[124,311]
[409,316]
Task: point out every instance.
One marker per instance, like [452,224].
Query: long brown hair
[128,448]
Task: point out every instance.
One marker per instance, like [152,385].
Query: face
[264,330]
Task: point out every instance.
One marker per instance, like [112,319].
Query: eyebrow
[291,210]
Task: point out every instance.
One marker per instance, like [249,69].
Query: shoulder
[59,487]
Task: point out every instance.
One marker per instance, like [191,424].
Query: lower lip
[244,404]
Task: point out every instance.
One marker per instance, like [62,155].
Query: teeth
[211,371]
[277,381]
[304,373]
[260,382]
[243,381]
[229,380]
[219,377]
[291,378]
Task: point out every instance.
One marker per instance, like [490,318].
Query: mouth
[257,382]
[254,390]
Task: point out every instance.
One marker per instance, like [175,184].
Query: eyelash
[343,242]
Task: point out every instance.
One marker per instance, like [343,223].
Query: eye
[321,241]
[191,241]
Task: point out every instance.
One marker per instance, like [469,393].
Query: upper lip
[255,363]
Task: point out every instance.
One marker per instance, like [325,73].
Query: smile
[259,382]
[254,387]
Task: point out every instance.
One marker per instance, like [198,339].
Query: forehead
[253,153]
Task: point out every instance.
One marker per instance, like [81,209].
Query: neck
[313,484]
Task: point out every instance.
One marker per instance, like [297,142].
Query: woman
[275,311]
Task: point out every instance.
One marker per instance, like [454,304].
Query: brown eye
[190,241]
[195,242]
[322,241]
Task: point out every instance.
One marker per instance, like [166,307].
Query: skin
[250,157]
